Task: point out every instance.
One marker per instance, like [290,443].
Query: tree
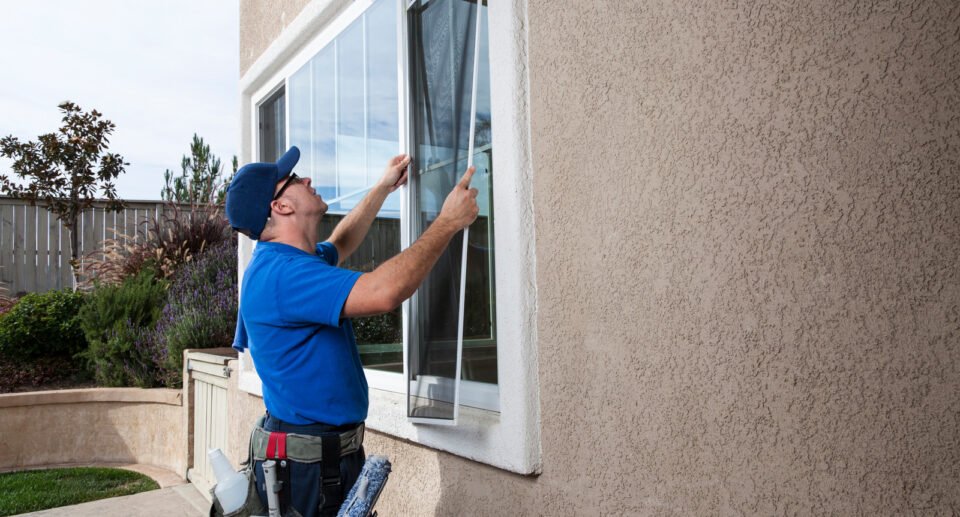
[201,180]
[66,169]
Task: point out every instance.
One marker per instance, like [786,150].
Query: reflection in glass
[351,170]
[441,57]
[300,130]
[324,124]
[383,124]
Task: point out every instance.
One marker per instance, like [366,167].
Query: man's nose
[306,181]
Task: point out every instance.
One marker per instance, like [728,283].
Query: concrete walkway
[177,501]
[175,498]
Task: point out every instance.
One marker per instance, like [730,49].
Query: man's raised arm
[351,231]
[386,287]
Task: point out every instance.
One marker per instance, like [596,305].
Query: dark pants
[305,478]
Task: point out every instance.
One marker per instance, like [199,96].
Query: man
[295,311]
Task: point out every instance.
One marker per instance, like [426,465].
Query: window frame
[508,436]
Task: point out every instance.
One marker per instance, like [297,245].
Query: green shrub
[117,321]
[43,325]
[380,329]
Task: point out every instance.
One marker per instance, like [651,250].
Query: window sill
[484,436]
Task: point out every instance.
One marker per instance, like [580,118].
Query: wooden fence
[381,243]
[35,246]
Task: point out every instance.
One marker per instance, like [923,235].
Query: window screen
[441,75]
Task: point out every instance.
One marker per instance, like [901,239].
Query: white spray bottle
[231,489]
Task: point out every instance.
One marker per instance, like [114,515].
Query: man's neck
[301,238]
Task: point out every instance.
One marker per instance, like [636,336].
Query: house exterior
[717,266]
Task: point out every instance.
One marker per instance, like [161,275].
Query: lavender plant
[201,310]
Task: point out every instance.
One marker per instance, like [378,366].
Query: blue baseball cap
[251,192]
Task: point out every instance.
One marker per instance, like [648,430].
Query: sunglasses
[291,179]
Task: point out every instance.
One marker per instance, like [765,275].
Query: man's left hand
[395,175]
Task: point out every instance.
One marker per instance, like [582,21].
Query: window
[345,118]
[373,78]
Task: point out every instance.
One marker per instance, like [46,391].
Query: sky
[161,71]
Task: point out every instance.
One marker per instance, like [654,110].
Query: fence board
[43,255]
[30,248]
[66,270]
[53,248]
[87,235]
[18,246]
[6,247]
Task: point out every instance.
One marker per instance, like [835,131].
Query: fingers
[400,159]
[465,180]
[474,193]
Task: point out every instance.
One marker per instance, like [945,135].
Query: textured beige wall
[261,22]
[100,425]
[748,238]
[748,231]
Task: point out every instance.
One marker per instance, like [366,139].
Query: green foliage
[201,309]
[117,321]
[201,180]
[43,325]
[66,169]
[30,491]
[378,330]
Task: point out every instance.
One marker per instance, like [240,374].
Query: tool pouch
[253,506]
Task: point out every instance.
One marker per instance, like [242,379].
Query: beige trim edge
[172,397]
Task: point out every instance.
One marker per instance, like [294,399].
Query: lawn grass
[32,490]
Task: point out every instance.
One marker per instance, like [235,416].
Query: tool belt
[266,445]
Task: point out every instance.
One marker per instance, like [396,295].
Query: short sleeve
[328,252]
[312,291]
[240,336]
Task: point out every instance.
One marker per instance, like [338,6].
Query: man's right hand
[387,286]
[460,208]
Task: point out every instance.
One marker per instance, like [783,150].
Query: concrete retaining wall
[100,425]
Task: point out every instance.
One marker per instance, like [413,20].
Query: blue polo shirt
[305,354]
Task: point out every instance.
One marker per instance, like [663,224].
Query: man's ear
[281,206]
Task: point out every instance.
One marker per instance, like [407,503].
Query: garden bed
[52,373]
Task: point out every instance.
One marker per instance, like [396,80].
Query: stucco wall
[748,231]
[100,425]
[261,22]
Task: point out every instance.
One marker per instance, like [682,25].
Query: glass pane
[273,127]
[351,111]
[479,319]
[298,91]
[324,124]
[380,338]
[441,74]
[383,124]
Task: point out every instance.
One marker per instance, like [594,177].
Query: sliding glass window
[344,117]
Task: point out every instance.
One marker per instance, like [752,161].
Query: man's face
[301,194]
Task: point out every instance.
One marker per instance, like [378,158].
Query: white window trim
[508,439]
